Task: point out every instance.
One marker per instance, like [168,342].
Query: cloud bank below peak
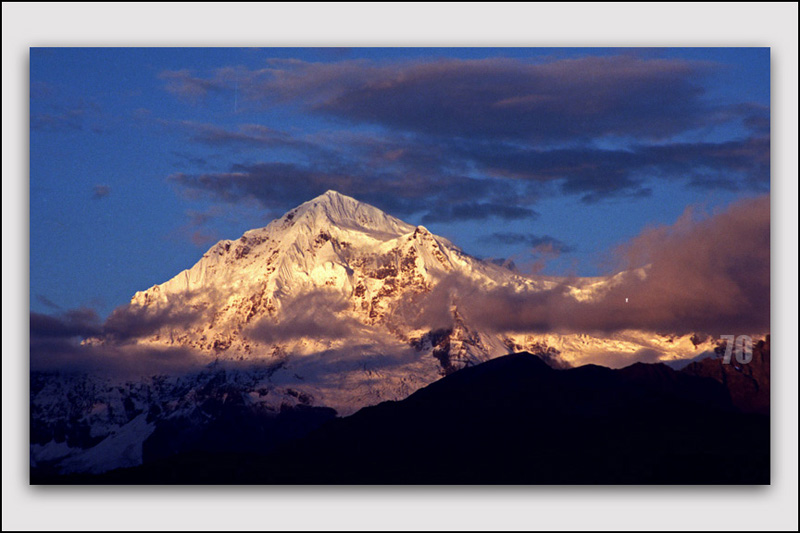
[706,275]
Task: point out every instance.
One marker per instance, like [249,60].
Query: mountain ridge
[334,305]
[530,424]
[338,286]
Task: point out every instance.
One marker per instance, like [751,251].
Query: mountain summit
[336,209]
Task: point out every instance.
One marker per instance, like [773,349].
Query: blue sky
[141,159]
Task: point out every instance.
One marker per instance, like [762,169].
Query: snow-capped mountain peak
[334,304]
[339,276]
[338,210]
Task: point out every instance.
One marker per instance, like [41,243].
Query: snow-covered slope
[329,290]
[333,246]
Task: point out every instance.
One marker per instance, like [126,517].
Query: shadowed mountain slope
[512,420]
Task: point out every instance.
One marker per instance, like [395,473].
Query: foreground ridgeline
[512,420]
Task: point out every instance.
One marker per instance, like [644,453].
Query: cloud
[81,322]
[56,340]
[67,120]
[703,275]
[132,321]
[196,161]
[118,361]
[504,262]
[48,302]
[600,173]
[539,242]
[125,323]
[413,169]
[509,99]
[274,185]
[112,351]
[252,134]
[202,239]
[543,248]
[280,186]
[315,314]
[184,85]
[478,211]
[241,137]
[498,98]
[196,229]
[454,130]
[100,191]
[65,116]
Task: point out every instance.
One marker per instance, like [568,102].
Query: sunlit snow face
[337,276]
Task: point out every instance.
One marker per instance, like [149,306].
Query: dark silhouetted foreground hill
[747,385]
[512,420]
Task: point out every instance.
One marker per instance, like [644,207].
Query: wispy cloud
[53,113]
[703,275]
[502,98]
[478,211]
[429,137]
[245,135]
[56,340]
[184,84]
[283,185]
[599,173]
[100,191]
[516,173]
[81,322]
[47,302]
[71,119]
[531,240]
[199,227]
[315,314]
